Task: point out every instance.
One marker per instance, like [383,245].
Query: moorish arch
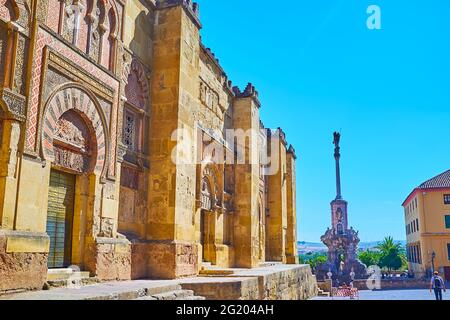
[214,176]
[74,131]
[211,198]
[137,88]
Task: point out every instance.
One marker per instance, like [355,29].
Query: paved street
[394,295]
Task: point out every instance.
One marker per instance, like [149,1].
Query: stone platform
[272,282]
[275,282]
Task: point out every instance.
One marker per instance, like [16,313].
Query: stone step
[174,295]
[322,293]
[162,289]
[216,272]
[51,284]
[66,277]
[198,298]
[66,273]
[146,298]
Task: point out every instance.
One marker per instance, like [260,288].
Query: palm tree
[388,245]
[391,253]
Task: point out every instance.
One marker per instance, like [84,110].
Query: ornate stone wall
[113,88]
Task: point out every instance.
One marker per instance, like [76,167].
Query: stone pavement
[413,294]
[126,290]
[274,282]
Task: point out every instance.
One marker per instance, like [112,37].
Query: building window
[446,198]
[129,129]
[447,222]
[448,250]
[417,224]
[418,254]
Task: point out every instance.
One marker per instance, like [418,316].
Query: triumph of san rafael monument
[343,264]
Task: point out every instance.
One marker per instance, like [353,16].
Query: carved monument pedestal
[343,265]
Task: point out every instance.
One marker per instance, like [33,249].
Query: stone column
[291,235]
[23,251]
[172,180]
[10,135]
[246,195]
[277,201]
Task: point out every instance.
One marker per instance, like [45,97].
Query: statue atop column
[341,241]
[337,157]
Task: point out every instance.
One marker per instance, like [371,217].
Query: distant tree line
[388,255]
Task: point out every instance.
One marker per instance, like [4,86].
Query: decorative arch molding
[75,97]
[137,88]
[211,174]
[9,10]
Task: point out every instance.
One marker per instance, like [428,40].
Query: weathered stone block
[107,263]
[22,270]
[172,259]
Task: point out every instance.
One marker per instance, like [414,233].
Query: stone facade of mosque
[126,150]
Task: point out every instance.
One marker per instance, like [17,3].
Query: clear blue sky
[318,69]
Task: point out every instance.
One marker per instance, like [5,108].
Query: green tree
[392,254]
[369,258]
[313,259]
[392,260]
[387,245]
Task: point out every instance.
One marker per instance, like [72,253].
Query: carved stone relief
[137,89]
[73,133]
[210,99]
[21,65]
[72,143]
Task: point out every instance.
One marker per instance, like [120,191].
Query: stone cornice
[282,136]
[227,84]
[249,92]
[291,151]
[191,8]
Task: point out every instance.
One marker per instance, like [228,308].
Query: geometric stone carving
[210,99]
[211,194]
[71,143]
[206,199]
[76,137]
[15,103]
[137,89]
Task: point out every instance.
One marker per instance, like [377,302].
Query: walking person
[437,284]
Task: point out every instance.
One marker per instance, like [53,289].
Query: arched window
[109,42]
[136,108]
[206,195]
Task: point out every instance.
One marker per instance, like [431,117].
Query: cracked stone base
[21,270]
[172,259]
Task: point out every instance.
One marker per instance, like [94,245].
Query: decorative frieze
[210,99]
[15,102]
[137,89]
[21,65]
[69,159]
[75,70]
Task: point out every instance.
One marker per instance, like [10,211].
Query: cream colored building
[112,117]
[427,226]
